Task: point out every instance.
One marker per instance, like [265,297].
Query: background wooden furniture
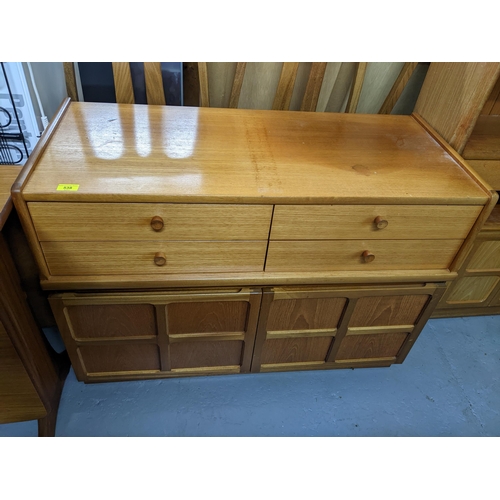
[332,87]
[461,100]
[477,291]
[31,373]
[201,240]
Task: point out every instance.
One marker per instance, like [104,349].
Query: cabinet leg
[47,424]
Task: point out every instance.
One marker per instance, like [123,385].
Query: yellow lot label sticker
[68,187]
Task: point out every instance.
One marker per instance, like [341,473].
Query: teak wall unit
[476,290]
[185,241]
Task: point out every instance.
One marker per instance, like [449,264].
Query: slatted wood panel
[113,320]
[286,83]
[154,83]
[70,77]
[398,87]
[237,84]
[357,85]
[313,88]
[123,83]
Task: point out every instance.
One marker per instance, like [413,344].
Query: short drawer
[347,255]
[149,221]
[67,258]
[385,222]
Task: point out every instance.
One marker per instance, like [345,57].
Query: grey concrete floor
[449,385]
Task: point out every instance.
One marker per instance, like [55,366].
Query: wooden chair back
[124,89]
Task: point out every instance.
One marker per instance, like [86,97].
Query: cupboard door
[384,324]
[149,335]
[318,328]
[296,328]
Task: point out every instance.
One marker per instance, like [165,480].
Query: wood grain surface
[486,257]
[398,87]
[388,310]
[305,314]
[123,83]
[286,83]
[489,170]
[453,95]
[154,83]
[8,175]
[230,155]
[119,358]
[332,255]
[132,221]
[484,141]
[471,290]
[206,354]
[19,400]
[296,222]
[112,320]
[371,346]
[137,257]
[207,317]
[295,350]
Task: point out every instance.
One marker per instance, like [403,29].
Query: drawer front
[346,255]
[134,221]
[329,222]
[67,258]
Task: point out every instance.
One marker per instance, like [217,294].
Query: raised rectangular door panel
[472,290]
[296,328]
[295,350]
[119,358]
[304,314]
[388,310]
[486,257]
[206,354]
[207,318]
[112,321]
[373,346]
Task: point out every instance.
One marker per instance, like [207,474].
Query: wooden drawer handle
[157,223]
[160,259]
[380,222]
[368,256]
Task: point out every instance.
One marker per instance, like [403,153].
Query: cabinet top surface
[119,152]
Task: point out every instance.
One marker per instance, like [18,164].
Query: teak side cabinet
[185,241]
[31,373]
